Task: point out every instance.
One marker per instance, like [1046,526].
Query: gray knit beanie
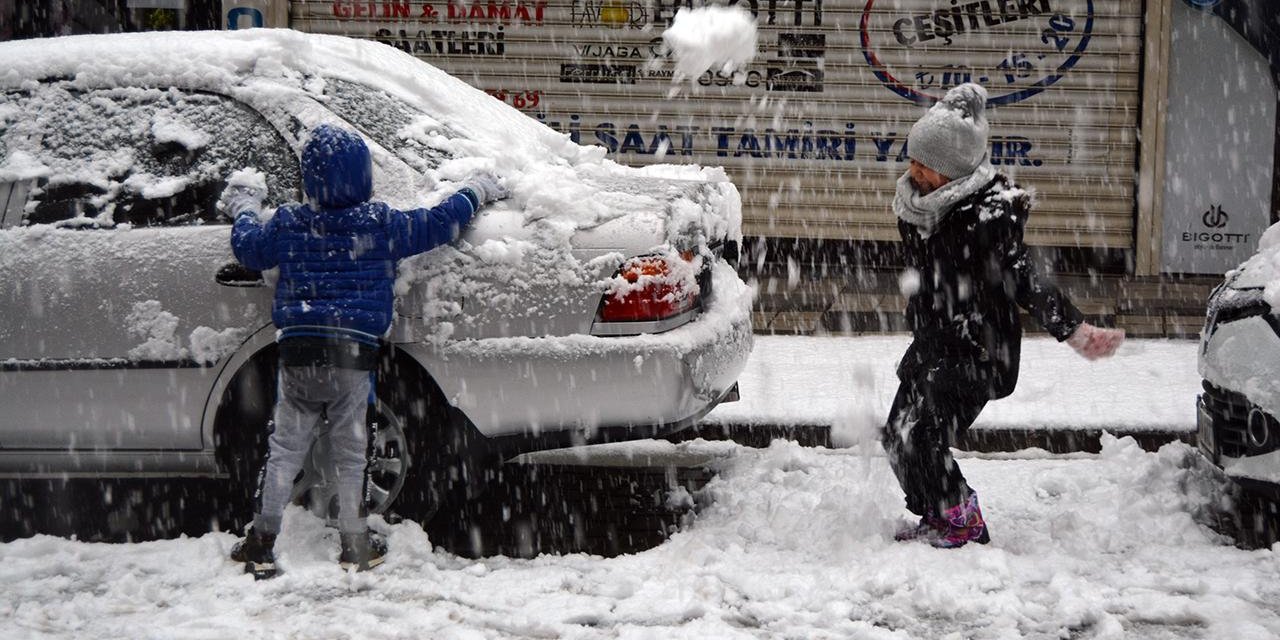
[951,138]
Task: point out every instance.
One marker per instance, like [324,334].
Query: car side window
[145,157]
[415,137]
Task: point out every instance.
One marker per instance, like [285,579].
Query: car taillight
[652,288]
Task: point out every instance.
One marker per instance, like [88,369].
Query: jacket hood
[337,170]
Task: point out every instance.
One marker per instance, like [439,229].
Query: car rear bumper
[591,388]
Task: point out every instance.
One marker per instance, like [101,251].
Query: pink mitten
[1095,342]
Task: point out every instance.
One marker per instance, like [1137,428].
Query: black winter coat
[973,273]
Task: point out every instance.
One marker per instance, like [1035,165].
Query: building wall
[1220,146]
[814,131]
[43,18]
[21,19]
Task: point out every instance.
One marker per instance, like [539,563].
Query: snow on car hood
[1262,271]
[573,217]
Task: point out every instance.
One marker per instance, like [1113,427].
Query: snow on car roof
[266,66]
[227,62]
[223,60]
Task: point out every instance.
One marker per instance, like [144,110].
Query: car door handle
[234,274]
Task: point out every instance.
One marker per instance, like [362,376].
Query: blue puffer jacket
[337,257]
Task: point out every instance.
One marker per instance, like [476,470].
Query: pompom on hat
[951,138]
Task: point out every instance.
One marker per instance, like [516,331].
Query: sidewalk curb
[980,440]
[1065,441]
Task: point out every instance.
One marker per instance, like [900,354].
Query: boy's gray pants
[317,401]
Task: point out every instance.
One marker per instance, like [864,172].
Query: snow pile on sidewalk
[850,382]
[793,543]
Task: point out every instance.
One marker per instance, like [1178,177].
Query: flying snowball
[711,38]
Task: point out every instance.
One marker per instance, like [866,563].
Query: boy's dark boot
[363,551]
[257,552]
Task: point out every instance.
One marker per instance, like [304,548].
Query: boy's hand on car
[487,187]
[1095,342]
[246,189]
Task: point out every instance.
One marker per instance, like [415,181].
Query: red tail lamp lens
[656,295]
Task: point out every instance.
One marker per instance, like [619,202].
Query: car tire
[444,457]
[388,467]
[423,454]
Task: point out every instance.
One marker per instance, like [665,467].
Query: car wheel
[423,456]
[389,459]
[426,456]
[388,467]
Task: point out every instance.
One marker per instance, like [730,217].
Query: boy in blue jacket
[337,256]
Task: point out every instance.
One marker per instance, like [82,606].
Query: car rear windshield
[413,136]
[143,156]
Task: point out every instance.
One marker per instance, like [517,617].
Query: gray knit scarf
[927,212]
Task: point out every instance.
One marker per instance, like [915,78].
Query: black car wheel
[423,455]
[389,465]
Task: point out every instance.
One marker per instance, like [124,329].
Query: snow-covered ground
[790,542]
[793,543]
[849,383]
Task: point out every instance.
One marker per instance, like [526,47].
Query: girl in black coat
[968,272]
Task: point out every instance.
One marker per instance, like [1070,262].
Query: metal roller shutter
[813,132]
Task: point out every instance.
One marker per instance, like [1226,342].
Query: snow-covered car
[1238,427]
[599,303]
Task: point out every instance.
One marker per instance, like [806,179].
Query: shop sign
[248,14]
[894,34]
